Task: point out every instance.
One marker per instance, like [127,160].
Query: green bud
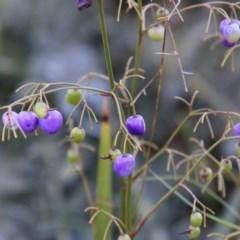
[77,135]
[156,33]
[206,174]
[73,96]
[41,109]
[194,232]
[196,219]
[113,153]
[73,156]
[226,165]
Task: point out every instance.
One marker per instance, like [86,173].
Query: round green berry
[226,165]
[206,174]
[194,232]
[114,153]
[77,135]
[41,109]
[156,33]
[73,96]
[73,156]
[196,219]
[124,237]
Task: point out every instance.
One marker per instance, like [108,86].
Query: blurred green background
[41,198]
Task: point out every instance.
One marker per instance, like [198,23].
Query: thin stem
[85,182]
[210,192]
[31,97]
[138,51]
[123,210]
[105,43]
[129,203]
[149,213]
[160,151]
[158,96]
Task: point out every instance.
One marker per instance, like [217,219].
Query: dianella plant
[128,155]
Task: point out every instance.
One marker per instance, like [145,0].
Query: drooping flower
[82,4]
[124,165]
[10,120]
[229,32]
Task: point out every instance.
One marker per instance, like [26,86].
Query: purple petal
[81,4]
[226,43]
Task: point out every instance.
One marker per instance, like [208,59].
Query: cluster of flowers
[124,164]
[50,121]
[229,32]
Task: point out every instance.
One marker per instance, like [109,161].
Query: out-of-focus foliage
[50,41]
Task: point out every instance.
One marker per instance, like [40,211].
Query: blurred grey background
[41,198]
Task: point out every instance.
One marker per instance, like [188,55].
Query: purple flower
[28,121]
[124,165]
[223,24]
[10,120]
[226,22]
[236,129]
[226,43]
[229,32]
[81,4]
[52,122]
[135,125]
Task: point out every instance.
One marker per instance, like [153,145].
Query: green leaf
[104,183]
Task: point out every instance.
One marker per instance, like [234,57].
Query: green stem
[126,202]
[129,203]
[123,210]
[158,96]
[163,149]
[138,52]
[104,180]
[126,185]
[105,43]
